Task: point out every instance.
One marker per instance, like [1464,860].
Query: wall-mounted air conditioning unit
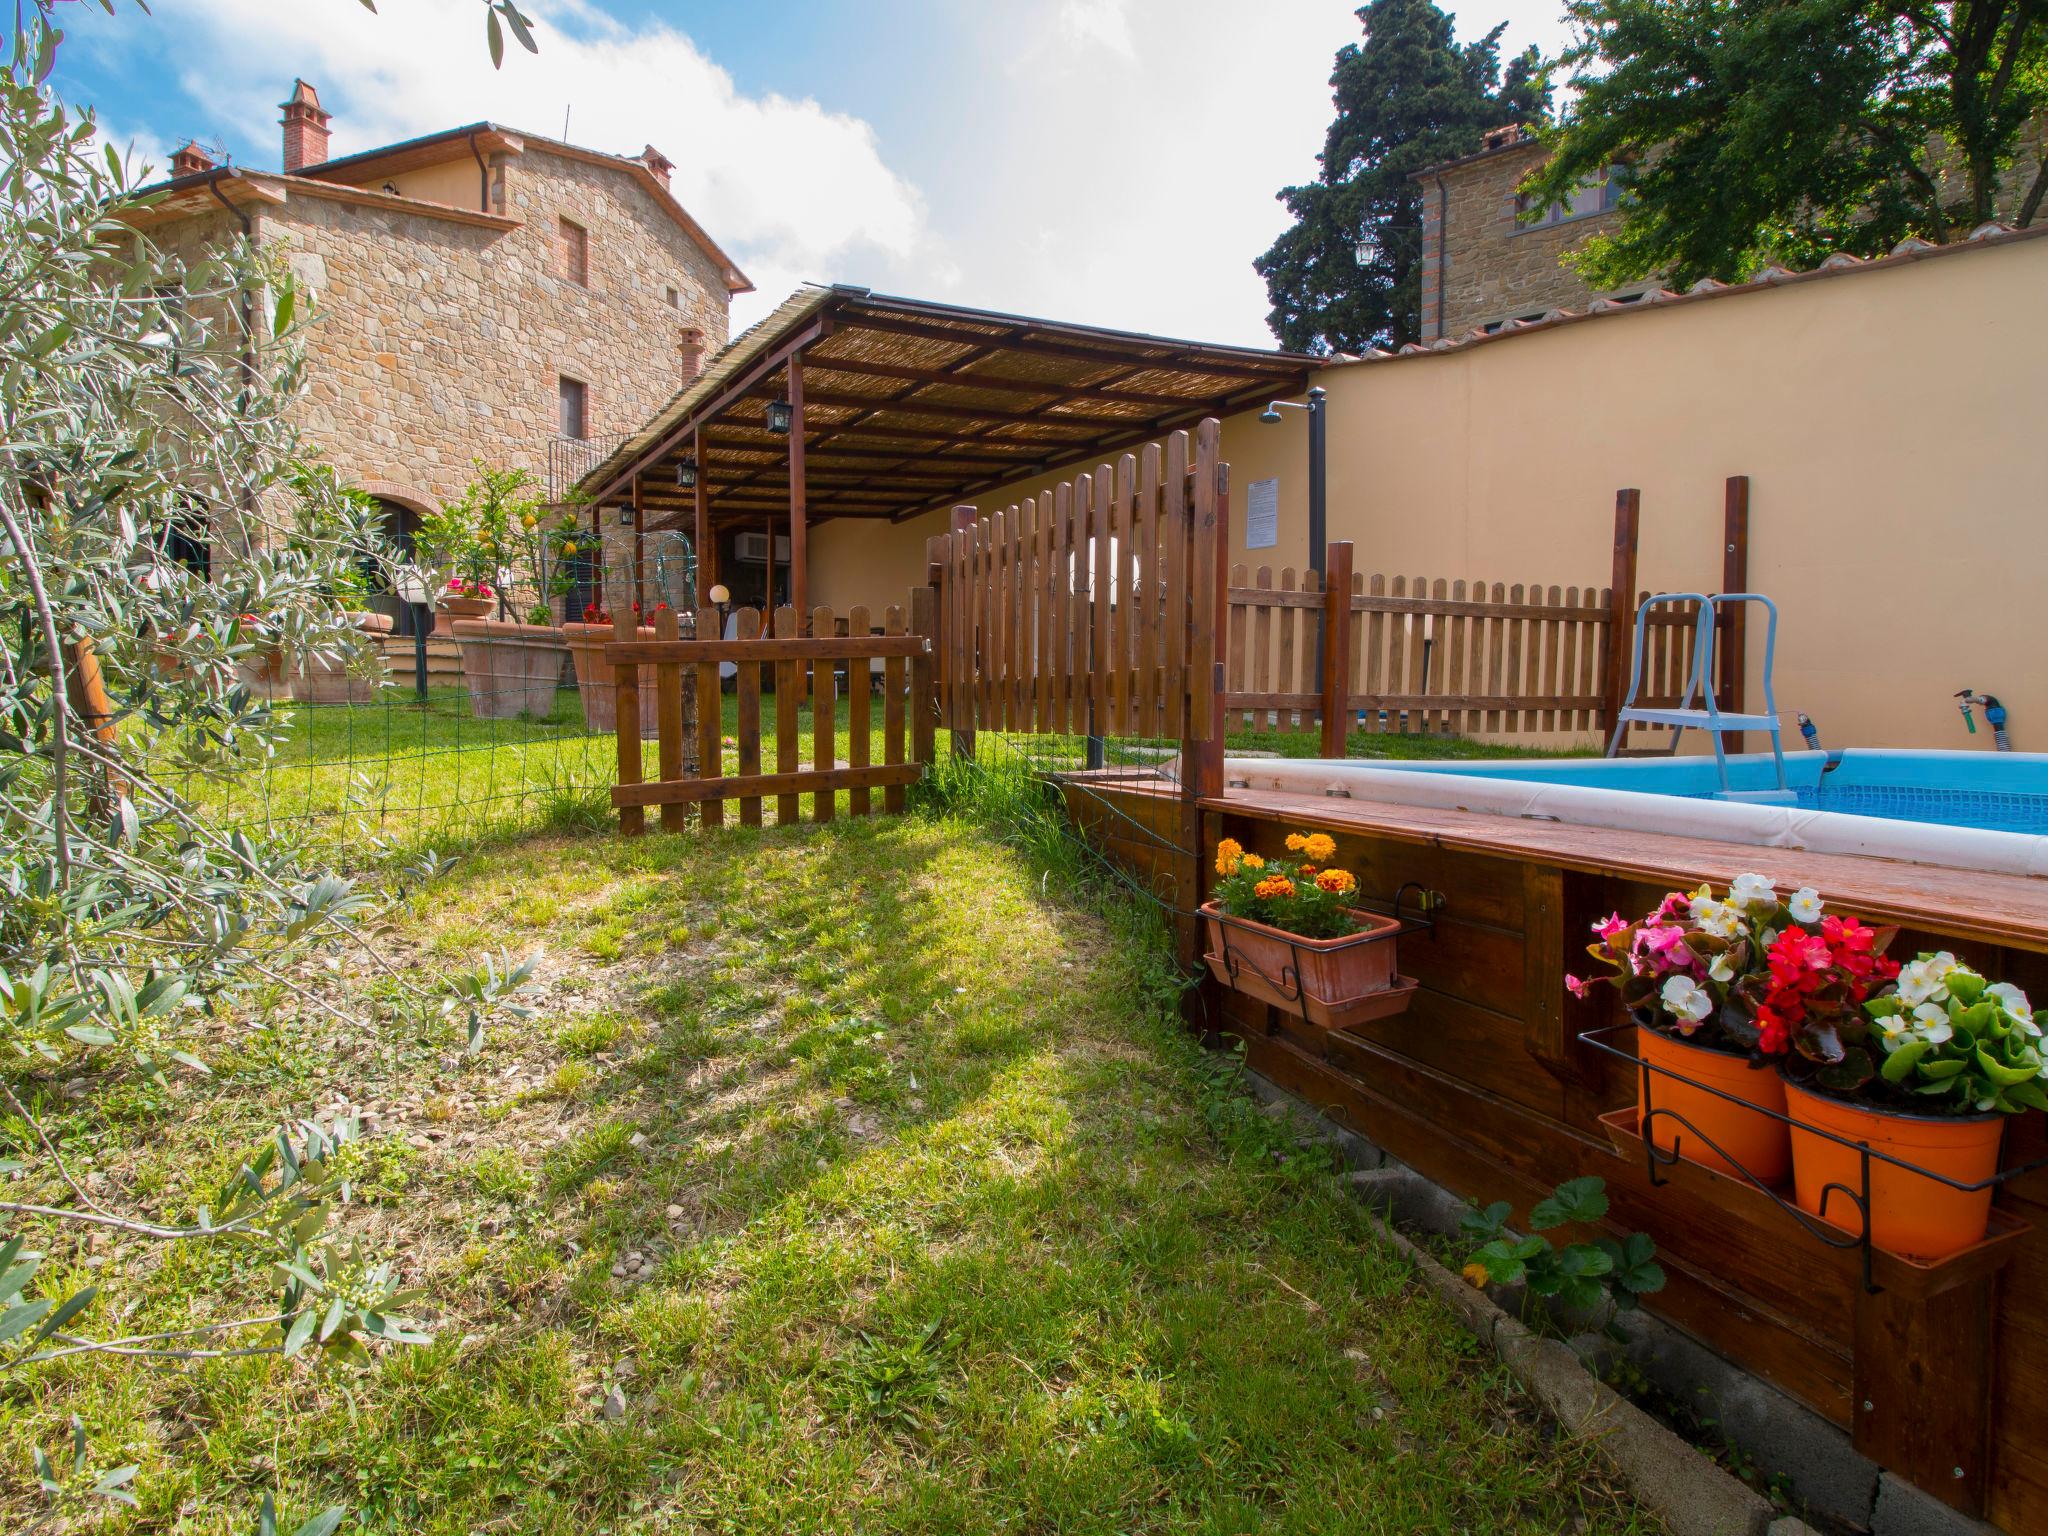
[752,549]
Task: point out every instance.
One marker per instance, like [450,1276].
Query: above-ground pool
[1970,810]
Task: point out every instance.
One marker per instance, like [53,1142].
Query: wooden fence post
[668,718]
[1336,648]
[626,701]
[924,703]
[1621,607]
[1734,578]
[1210,593]
[960,679]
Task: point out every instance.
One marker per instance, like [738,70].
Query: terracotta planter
[1335,982]
[263,674]
[448,608]
[325,682]
[511,669]
[595,682]
[1760,1145]
[1909,1213]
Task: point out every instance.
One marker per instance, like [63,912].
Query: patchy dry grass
[842,1180]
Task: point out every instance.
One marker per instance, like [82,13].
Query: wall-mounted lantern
[686,474]
[779,414]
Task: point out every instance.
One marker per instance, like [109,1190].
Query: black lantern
[625,517]
[686,473]
[779,417]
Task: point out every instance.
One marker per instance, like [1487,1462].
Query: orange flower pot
[1761,1145]
[1909,1214]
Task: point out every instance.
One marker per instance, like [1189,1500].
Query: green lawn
[397,776]
[942,1225]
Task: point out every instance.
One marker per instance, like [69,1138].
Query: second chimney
[305,129]
[191,160]
[657,162]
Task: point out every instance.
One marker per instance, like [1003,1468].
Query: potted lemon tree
[499,526]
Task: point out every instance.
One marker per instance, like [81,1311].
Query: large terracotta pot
[448,608]
[1760,1145]
[595,681]
[326,682]
[1336,982]
[511,669]
[1910,1214]
[263,674]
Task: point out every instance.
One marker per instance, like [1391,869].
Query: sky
[1110,162]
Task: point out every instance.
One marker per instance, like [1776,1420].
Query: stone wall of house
[1498,268]
[438,342]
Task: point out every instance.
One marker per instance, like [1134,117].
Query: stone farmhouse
[1484,261]
[480,292]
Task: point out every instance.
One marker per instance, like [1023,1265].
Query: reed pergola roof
[905,406]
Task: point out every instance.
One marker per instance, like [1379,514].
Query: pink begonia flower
[1578,986]
[1674,906]
[1610,925]
[1666,945]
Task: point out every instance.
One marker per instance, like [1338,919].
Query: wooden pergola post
[799,559]
[700,532]
[639,552]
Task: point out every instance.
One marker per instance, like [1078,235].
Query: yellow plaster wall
[1892,424]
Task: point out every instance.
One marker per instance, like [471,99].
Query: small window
[575,240]
[575,407]
[675,299]
[1604,193]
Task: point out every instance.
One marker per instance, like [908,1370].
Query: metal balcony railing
[571,458]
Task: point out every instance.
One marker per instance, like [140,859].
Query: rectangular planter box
[1333,983]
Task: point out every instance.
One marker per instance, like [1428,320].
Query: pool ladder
[1706,715]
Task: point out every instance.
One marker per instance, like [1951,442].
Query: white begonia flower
[1926,979]
[1701,902]
[1686,999]
[1804,904]
[1930,1023]
[1717,918]
[2015,1005]
[1752,891]
[1723,969]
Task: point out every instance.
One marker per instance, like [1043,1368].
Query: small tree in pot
[498,528]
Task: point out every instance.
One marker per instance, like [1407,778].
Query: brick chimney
[192,160]
[1501,137]
[657,162]
[305,129]
[690,352]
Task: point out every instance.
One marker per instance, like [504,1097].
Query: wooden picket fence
[1088,608]
[1430,655]
[820,666]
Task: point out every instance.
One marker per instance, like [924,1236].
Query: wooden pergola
[896,407]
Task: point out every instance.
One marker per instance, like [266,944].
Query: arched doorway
[401,523]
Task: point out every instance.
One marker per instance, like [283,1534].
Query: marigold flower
[1338,882]
[1296,841]
[1229,855]
[1475,1275]
[1273,887]
[1253,861]
[1308,871]
[1320,847]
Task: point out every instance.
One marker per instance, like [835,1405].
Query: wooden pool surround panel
[1484,1086]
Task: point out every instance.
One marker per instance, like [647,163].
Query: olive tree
[146,410]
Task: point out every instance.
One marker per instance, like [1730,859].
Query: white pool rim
[1760,826]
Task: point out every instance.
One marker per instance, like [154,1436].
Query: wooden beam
[997,383]
[709,410]
[1621,609]
[908,406]
[1019,341]
[799,555]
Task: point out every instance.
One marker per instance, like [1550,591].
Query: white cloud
[1104,161]
[791,190]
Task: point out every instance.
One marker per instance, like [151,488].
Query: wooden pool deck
[1487,1087]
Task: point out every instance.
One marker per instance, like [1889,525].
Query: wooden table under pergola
[846,403]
